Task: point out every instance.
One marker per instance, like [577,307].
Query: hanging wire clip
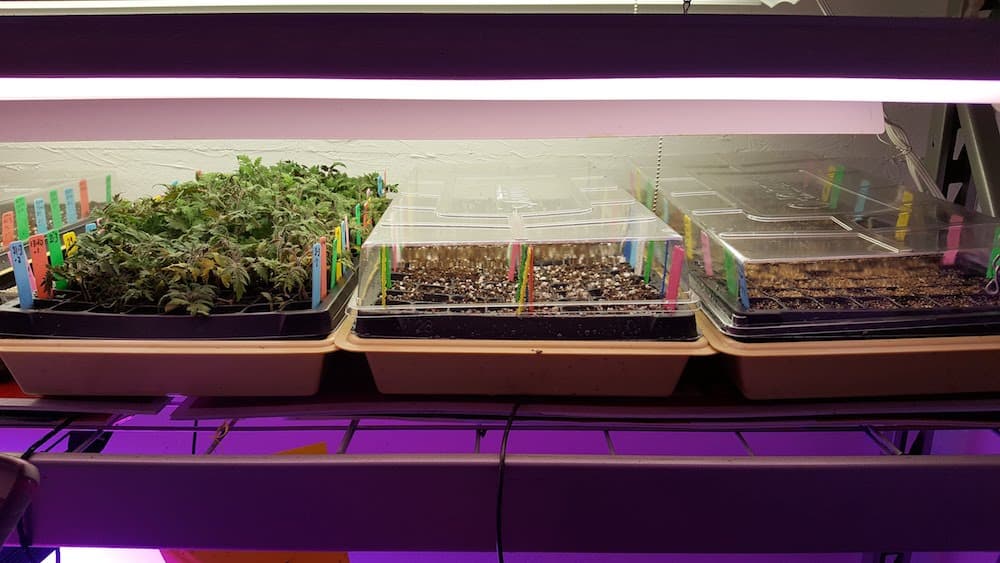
[686,6]
[220,434]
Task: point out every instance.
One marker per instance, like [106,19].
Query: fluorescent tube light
[79,7]
[592,89]
[79,120]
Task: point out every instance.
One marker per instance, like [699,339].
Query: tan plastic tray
[220,368]
[859,368]
[511,367]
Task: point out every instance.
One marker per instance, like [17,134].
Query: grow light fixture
[96,7]
[735,89]
[482,76]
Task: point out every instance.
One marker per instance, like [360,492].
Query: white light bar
[82,7]
[604,89]
[96,120]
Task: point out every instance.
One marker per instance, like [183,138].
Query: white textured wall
[140,165]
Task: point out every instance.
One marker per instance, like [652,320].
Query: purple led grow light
[465,46]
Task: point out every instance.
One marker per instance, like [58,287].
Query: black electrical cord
[41,441]
[503,465]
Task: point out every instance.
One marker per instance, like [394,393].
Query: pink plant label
[674,279]
[323,272]
[954,237]
[515,258]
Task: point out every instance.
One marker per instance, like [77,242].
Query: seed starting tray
[842,317]
[570,321]
[69,316]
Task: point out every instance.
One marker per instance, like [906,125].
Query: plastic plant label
[8,228]
[57,216]
[55,254]
[994,254]
[647,268]
[859,206]
[513,256]
[84,199]
[954,238]
[830,174]
[41,218]
[706,253]
[674,280]
[19,262]
[744,294]
[71,216]
[21,216]
[838,180]
[40,264]
[903,220]
[323,287]
[317,289]
[384,272]
[108,196]
[90,227]
[337,250]
[732,283]
[69,241]
[688,237]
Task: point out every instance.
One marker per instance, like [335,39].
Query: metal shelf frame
[897,496]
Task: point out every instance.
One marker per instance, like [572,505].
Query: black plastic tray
[72,318]
[841,324]
[632,325]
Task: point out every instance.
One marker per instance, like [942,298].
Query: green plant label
[732,283]
[55,247]
[57,216]
[21,217]
[55,254]
[994,254]
[647,267]
[838,180]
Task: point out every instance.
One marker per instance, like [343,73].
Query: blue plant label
[859,206]
[317,268]
[744,294]
[19,262]
[41,218]
[71,216]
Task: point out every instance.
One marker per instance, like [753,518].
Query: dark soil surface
[881,284]
[600,279]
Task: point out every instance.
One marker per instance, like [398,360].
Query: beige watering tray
[160,367]
[531,367]
[859,368]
